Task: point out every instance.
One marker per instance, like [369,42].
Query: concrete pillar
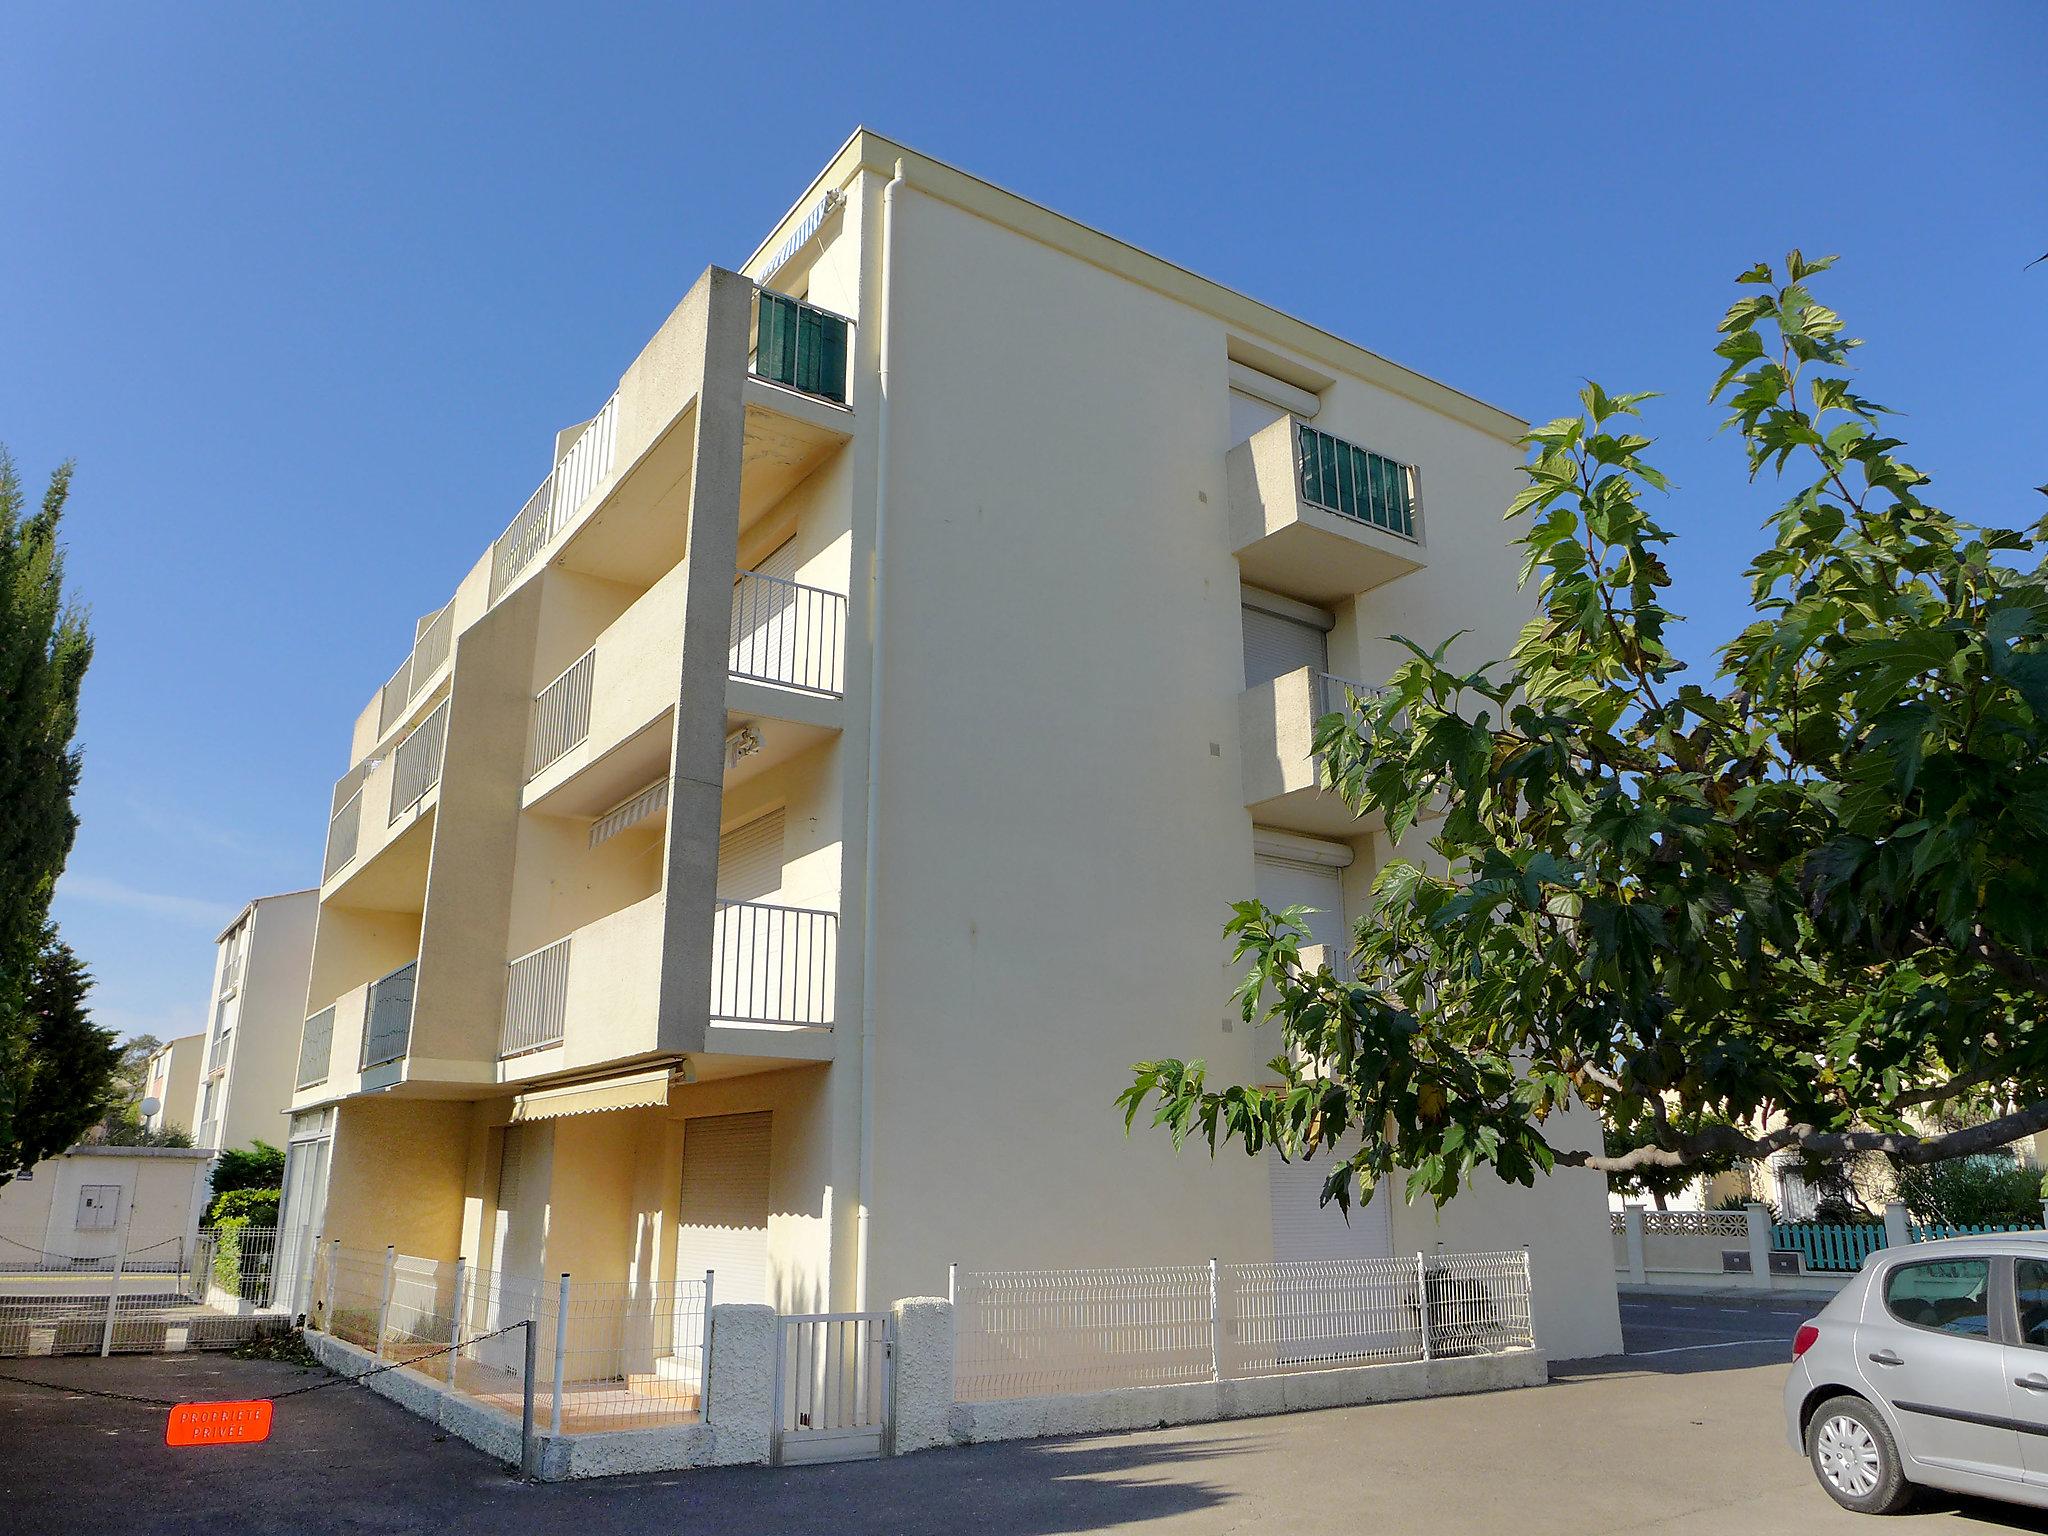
[924,1374]
[1896,1231]
[1759,1245]
[1632,1228]
[741,1406]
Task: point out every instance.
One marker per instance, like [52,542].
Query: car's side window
[1947,1295]
[2030,1290]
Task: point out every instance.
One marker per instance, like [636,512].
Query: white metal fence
[344,828]
[428,651]
[536,1000]
[560,496]
[833,1384]
[387,1017]
[611,1355]
[211,1291]
[785,632]
[561,713]
[1035,1333]
[416,766]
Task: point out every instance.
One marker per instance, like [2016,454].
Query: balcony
[577,473]
[416,765]
[598,732]
[387,1018]
[592,996]
[1317,518]
[421,665]
[1282,777]
[799,346]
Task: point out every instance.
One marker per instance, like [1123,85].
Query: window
[1947,1296]
[99,1207]
[2030,1290]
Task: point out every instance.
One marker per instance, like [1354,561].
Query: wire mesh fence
[207,1291]
[1034,1333]
[612,1355]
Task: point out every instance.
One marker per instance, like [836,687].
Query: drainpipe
[868,878]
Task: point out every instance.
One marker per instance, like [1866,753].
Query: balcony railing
[420,664]
[785,632]
[387,1017]
[536,1000]
[800,345]
[561,495]
[343,831]
[1333,696]
[561,713]
[773,965]
[1355,482]
[416,766]
[316,1046]
[217,1055]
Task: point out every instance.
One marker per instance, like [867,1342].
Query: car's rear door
[1926,1347]
[2026,1364]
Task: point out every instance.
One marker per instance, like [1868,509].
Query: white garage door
[724,1225]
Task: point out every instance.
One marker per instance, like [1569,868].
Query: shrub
[257,1166]
[1989,1190]
[247,1207]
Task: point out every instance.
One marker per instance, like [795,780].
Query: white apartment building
[256,1018]
[775,850]
[171,1080]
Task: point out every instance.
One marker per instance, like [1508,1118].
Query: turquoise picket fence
[1834,1248]
[1935,1234]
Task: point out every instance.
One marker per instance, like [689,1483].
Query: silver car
[1930,1368]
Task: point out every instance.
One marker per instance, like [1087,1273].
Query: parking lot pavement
[1682,1443]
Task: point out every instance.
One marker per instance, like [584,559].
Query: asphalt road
[1684,1436]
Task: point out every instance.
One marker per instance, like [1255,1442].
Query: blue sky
[306,290]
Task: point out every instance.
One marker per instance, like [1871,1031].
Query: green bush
[1985,1191]
[247,1207]
[257,1166]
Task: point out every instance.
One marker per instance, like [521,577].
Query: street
[1682,1435]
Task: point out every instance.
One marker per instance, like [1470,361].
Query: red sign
[218,1423]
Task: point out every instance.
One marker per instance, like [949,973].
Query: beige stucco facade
[171,1078]
[257,1011]
[778,848]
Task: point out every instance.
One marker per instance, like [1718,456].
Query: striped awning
[639,1090]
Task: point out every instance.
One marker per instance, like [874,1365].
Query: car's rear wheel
[1855,1457]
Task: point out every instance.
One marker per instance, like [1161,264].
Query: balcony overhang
[788,434]
[1282,784]
[1289,545]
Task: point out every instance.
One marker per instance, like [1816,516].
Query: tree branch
[1715,1141]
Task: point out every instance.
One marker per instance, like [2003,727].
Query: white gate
[835,1386]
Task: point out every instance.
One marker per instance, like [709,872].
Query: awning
[640,1090]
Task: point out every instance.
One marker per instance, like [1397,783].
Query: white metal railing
[772,964]
[428,651]
[785,632]
[800,345]
[387,1017]
[561,495]
[416,766]
[561,713]
[1034,1333]
[536,1000]
[316,1048]
[1334,696]
[344,830]
[1355,482]
[210,1291]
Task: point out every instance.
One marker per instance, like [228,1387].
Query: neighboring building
[74,1206]
[172,1079]
[595,987]
[258,1013]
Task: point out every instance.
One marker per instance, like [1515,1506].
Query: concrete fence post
[455,1313]
[924,1375]
[1896,1231]
[1215,1328]
[1759,1245]
[561,1357]
[741,1406]
[1632,1228]
[333,1263]
[384,1300]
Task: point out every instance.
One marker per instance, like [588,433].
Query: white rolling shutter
[764,618]
[1303,1228]
[750,860]
[1282,883]
[1275,646]
[724,1209]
